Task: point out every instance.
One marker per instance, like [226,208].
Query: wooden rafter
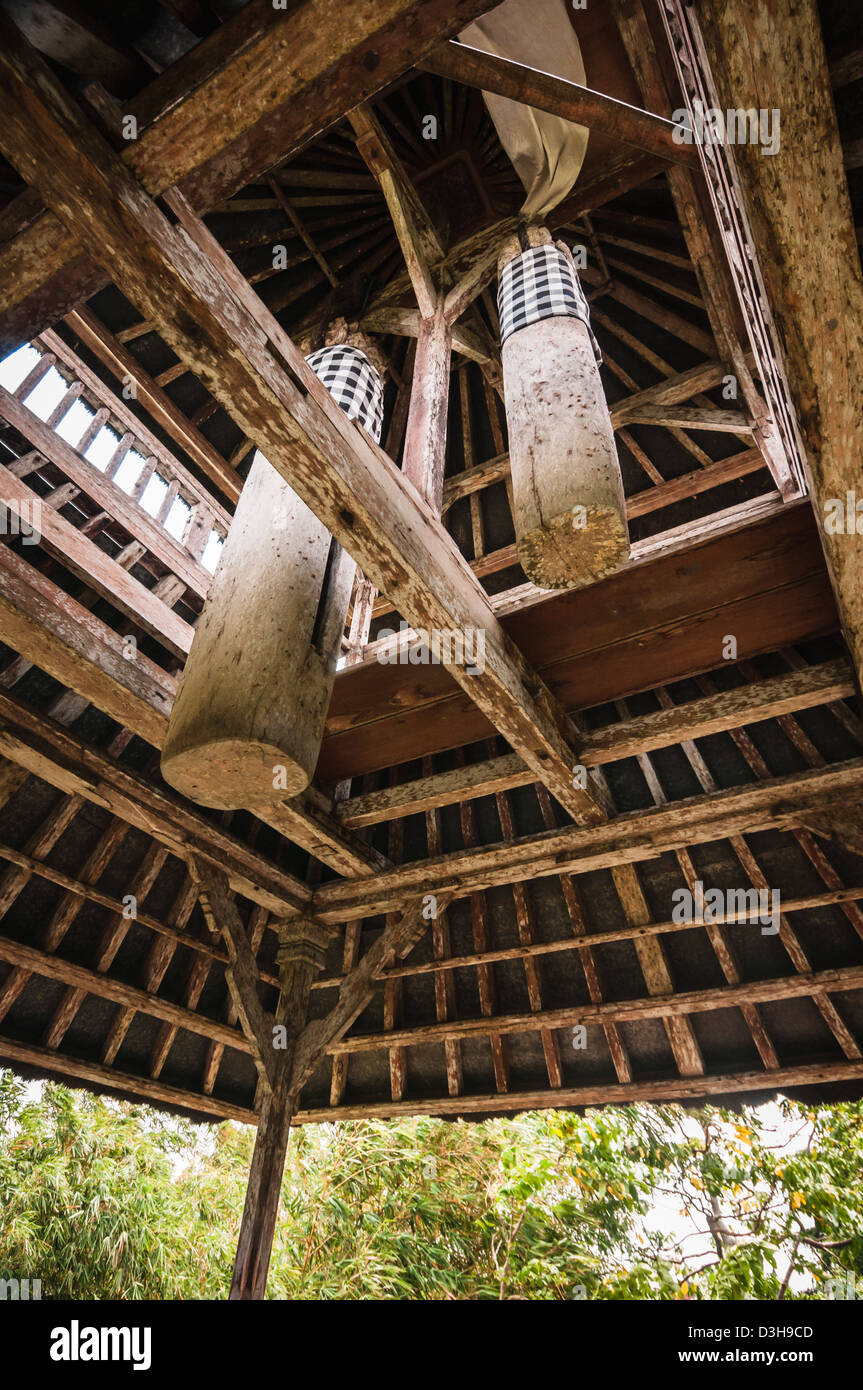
[633,736]
[196,135]
[642,129]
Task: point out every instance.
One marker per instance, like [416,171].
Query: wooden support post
[365,594]
[803,231]
[425,443]
[302,948]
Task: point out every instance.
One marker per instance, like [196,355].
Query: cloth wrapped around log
[246,726]
[569,511]
[568,504]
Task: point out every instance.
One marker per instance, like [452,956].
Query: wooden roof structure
[153,160]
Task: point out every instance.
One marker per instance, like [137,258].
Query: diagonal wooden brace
[223,919]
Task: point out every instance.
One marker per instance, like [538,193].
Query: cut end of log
[558,555]
[232,773]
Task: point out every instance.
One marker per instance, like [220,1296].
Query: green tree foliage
[102,1199]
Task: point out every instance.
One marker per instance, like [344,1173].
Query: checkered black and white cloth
[354,384]
[539,284]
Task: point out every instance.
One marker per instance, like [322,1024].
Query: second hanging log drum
[246,726]
[569,507]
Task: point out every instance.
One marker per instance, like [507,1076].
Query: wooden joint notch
[373,153]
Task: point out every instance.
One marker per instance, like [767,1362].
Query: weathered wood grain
[247,361]
[781,801]
[803,228]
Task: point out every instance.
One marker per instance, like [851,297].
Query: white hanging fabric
[546,151]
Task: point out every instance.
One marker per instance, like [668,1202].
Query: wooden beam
[730,709]
[105,986]
[676,1089]
[674,388]
[808,257]
[416,235]
[80,41]
[585,944]
[475,479]
[653,499]
[776,803]
[79,889]
[425,441]
[603,114]
[659,314]
[89,562]
[246,98]
[106,493]
[667,1006]
[437,789]
[687,417]
[109,1080]
[126,368]
[248,363]
[707,251]
[48,751]
[757,576]
[55,632]
[650,499]
[406,323]
[424,457]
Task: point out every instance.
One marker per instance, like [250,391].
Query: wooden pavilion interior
[448,919]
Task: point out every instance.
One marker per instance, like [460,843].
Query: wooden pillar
[771,60]
[302,949]
[425,441]
[569,508]
[247,723]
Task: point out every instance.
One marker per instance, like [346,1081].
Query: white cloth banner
[546,151]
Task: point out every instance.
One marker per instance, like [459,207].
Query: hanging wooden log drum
[247,724]
[569,508]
